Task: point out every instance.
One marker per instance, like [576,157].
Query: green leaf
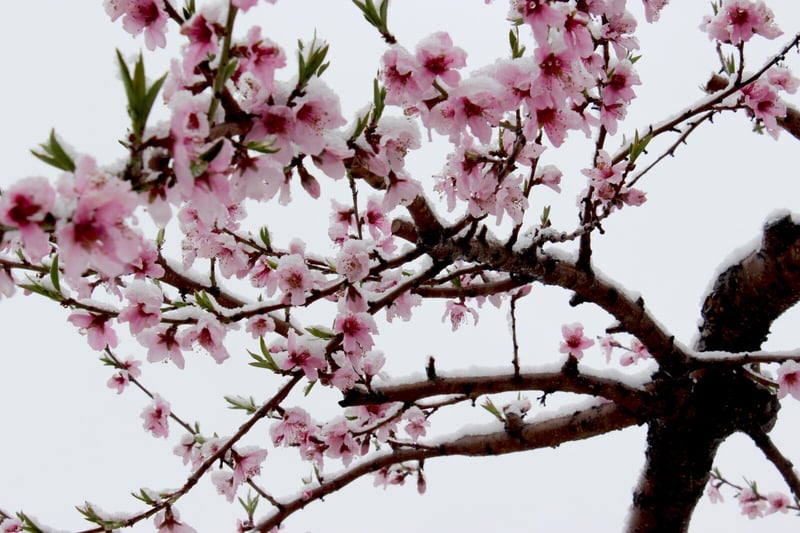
[321,333]
[264,147]
[489,406]
[245,404]
[54,154]
[308,387]
[140,97]
[204,301]
[250,505]
[638,145]
[54,274]
[263,234]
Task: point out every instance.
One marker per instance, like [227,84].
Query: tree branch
[580,425]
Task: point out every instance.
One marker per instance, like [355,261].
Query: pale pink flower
[247,462]
[778,502]
[765,105]
[244,5]
[738,20]
[24,206]
[309,355]
[357,330]
[317,112]
[293,429]
[156,417]
[120,380]
[225,483]
[339,439]
[259,325]
[162,343]
[7,286]
[637,352]
[510,199]
[752,505]
[550,176]
[652,9]
[144,306]
[294,278]
[97,329]
[208,333]
[141,15]
[574,341]
[457,311]
[539,15]
[167,521]
[789,379]
[399,76]
[261,57]
[353,260]
[263,276]
[607,344]
[437,57]
[11,525]
[781,77]
[202,30]
[186,449]
[714,495]
[417,422]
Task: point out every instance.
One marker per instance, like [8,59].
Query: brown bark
[704,407]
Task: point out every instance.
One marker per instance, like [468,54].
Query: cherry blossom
[357,330]
[167,521]
[417,422]
[789,379]
[141,15]
[303,354]
[574,341]
[353,260]
[751,504]
[457,311]
[97,329]
[162,343]
[738,20]
[144,306]
[24,206]
[156,417]
[294,278]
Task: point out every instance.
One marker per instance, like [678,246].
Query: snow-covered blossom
[357,330]
[247,462]
[636,352]
[130,369]
[417,422]
[162,343]
[574,341]
[156,417]
[209,333]
[144,306]
[149,16]
[353,260]
[294,278]
[167,521]
[778,501]
[308,355]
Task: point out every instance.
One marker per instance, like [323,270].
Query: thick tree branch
[548,433]
[628,398]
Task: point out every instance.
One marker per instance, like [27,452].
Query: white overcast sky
[67,438]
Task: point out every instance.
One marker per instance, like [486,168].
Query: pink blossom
[7,287]
[458,313]
[293,428]
[203,31]
[339,439]
[574,341]
[752,505]
[186,449]
[357,330]
[539,15]
[652,9]
[166,521]
[162,343]
[714,495]
[244,5]
[637,352]
[789,379]
[247,462]
[97,328]
[353,260]
[120,380]
[397,137]
[95,233]
[261,57]
[619,27]
[24,206]
[225,483]
[763,101]
[141,15]
[778,502]
[259,325]
[262,275]
[208,333]
[11,525]
[510,199]
[781,77]
[294,278]
[317,112]
[417,422]
[398,75]
[437,57]
[309,355]
[156,417]
[738,20]
[550,176]
[608,343]
[144,306]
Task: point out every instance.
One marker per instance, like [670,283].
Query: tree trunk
[703,406]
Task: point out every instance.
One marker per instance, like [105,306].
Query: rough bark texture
[704,406]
